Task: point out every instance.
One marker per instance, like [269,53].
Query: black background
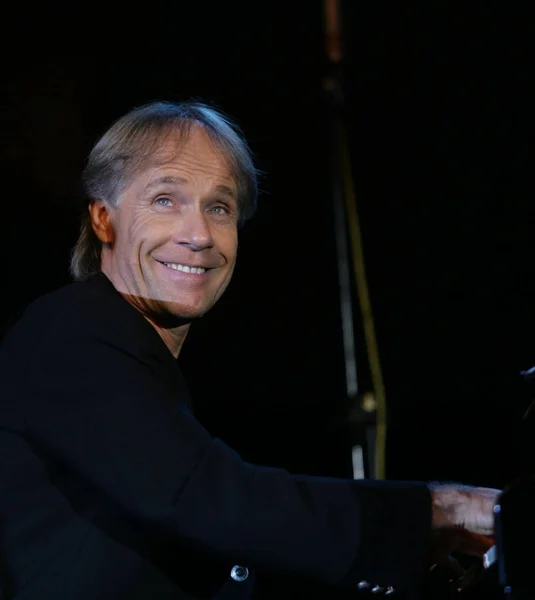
[439,116]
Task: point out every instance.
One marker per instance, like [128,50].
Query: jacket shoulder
[71,307]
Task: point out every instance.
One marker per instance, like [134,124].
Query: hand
[456,540]
[465,507]
[447,541]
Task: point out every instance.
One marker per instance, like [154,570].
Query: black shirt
[112,489]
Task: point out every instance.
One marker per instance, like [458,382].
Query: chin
[180,313]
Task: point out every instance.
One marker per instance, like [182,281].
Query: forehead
[191,157]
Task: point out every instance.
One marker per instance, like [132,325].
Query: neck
[173,338]
[172,334]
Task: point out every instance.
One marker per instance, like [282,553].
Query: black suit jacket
[109,487]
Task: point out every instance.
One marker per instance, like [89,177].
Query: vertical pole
[347,225]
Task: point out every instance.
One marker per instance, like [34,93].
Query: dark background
[439,115]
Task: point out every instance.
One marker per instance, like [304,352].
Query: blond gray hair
[133,141]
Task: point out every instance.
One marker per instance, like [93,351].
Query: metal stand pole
[369,425]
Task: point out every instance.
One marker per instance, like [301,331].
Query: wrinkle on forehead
[185,147]
[174,148]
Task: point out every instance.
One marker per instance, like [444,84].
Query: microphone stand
[367,414]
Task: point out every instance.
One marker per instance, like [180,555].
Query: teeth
[185,268]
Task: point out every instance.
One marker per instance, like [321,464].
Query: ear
[101,221]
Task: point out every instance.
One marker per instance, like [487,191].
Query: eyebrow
[173,180]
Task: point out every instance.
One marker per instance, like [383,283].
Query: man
[110,487]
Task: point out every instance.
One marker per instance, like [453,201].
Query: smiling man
[170,245]
[111,489]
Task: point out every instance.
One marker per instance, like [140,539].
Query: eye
[220,210]
[164,201]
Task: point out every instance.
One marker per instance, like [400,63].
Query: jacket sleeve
[106,417]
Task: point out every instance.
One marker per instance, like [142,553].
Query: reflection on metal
[350,252]
[345,287]
[357,456]
[368,402]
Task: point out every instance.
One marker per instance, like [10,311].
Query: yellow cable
[365,304]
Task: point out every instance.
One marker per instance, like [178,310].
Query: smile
[185,268]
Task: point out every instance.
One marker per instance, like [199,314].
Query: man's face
[174,234]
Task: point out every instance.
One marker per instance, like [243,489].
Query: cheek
[142,228]
[228,241]
[231,250]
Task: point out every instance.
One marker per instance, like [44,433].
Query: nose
[194,230]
